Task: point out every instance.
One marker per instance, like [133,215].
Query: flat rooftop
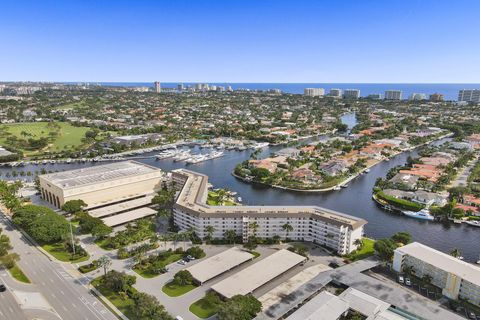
[218,264]
[125,217]
[324,306]
[258,274]
[442,261]
[193,195]
[101,173]
[122,206]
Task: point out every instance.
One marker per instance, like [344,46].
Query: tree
[239,308]
[230,235]
[183,277]
[402,237]
[148,307]
[254,226]
[9,260]
[209,230]
[358,243]
[287,228]
[101,230]
[455,253]
[4,244]
[251,244]
[118,281]
[105,263]
[73,206]
[384,249]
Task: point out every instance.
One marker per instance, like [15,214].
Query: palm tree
[287,228]
[254,226]
[455,253]
[230,235]
[221,196]
[209,230]
[358,243]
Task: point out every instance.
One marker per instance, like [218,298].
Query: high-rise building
[469,95]
[393,95]
[180,87]
[436,97]
[158,89]
[351,93]
[337,93]
[418,96]
[314,92]
[220,89]
[198,86]
[229,88]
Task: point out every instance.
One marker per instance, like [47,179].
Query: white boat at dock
[473,223]
[182,156]
[423,214]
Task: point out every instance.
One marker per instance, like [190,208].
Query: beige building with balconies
[319,225]
[456,278]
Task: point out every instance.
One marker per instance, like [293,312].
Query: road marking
[11,310]
[74,305]
[53,295]
[51,280]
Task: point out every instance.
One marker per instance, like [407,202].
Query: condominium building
[158,88]
[319,225]
[456,278]
[436,97]
[337,93]
[351,93]
[393,95]
[469,95]
[375,96]
[314,92]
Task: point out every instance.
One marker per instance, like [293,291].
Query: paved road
[461,179]
[9,307]
[68,296]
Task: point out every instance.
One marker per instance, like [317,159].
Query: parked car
[333,265]
[472,315]
[2,288]
[178,318]
[182,262]
[407,282]
[189,257]
[401,280]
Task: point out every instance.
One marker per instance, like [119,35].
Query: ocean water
[449,90]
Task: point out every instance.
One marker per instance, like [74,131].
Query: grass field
[367,250]
[68,136]
[148,275]
[18,274]
[172,289]
[58,252]
[205,307]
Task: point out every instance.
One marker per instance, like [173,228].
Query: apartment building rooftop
[193,197]
[97,174]
[443,261]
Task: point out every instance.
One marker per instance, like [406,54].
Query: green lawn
[213,200]
[172,289]
[58,252]
[146,274]
[205,307]
[68,135]
[367,250]
[18,274]
[124,304]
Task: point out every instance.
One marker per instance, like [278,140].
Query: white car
[178,318]
[182,262]
[400,279]
[407,282]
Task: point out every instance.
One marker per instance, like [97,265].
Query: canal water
[355,200]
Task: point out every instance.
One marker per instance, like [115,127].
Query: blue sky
[397,41]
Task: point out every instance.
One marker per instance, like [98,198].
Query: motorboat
[473,223]
[423,214]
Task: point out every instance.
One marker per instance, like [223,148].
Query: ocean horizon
[449,90]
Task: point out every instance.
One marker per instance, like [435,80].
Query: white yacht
[423,214]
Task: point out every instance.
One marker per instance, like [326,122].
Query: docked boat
[336,188]
[367,170]
[239,199]
[473,223]
[422,214]
[344,185]
[182,156]
[165,155]
[215,154]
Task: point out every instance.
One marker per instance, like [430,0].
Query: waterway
[354,200]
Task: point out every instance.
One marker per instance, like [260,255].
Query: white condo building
[393,95]
[456,278]
[319,225]
[469,95]
[314,92]
[158,87]
[351,93]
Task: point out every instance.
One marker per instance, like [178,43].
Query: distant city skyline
[250,41]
